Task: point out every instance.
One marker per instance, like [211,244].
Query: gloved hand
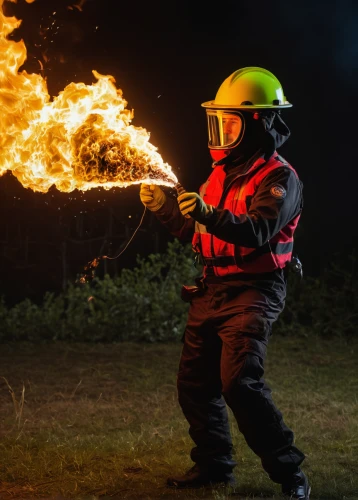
[152,196]
[194,205]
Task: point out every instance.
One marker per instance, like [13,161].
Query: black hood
[276,132]
[262,137]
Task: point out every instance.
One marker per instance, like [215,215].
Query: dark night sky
[182,51]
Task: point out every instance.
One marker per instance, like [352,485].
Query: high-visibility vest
[228,258]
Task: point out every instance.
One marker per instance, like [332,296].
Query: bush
[140,304]
[325,306]
[143,304]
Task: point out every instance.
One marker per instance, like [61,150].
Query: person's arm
[167,211]
[276,202]
[170,216]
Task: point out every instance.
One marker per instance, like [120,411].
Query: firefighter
[242,224]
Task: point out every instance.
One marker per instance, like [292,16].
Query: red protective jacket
[255,216]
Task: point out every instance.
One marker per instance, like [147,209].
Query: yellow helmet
[251,89]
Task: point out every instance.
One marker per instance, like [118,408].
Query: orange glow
[82,139]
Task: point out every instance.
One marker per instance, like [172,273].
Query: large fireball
[82,139]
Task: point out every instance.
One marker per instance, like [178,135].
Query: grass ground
[102,421]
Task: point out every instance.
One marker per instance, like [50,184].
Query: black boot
[297,487]
[197,477]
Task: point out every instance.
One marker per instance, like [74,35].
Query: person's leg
[264,430]
[260,421]
[245,330]
[199,395]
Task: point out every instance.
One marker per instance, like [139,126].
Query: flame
[82,139]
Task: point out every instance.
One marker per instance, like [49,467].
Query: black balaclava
[265,131]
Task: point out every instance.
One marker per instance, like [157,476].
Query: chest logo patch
[278,192]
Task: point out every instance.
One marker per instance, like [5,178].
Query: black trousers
[222,362]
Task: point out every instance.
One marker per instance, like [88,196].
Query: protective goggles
[225,128]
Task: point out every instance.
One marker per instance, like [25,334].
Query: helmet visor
[225,127]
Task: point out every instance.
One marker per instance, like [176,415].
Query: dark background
[168,58]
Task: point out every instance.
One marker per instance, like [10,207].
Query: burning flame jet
[82,139]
